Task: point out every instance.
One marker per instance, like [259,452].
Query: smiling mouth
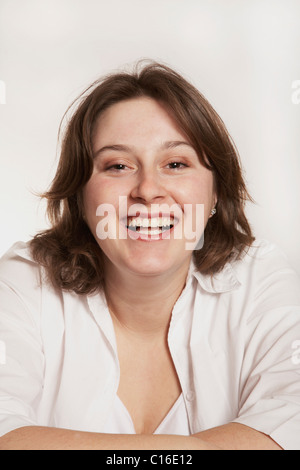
[150,226]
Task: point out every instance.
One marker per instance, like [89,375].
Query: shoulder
[261,263]
[17,263]
[267,272]
[263,257]
[263,249]
[20,279]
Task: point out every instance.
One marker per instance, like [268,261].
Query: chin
[155,265]
[144,260]
[150,267]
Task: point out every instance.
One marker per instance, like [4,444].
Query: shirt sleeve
[21,354]
[270,377]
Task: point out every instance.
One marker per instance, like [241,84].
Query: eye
[116,167]
[176,165]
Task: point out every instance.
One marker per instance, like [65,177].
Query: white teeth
[152,232]
[153,222]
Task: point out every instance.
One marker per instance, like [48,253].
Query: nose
[148,187]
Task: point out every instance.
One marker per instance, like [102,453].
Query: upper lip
[133,212]
[144,216]
[151,215]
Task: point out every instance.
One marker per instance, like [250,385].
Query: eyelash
[178,163]
[114,167]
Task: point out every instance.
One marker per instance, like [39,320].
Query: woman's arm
[235,436]
[43,438]
[231,436]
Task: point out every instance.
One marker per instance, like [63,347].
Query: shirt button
[190,396]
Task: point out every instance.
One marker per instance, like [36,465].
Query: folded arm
[232,436]
[43,438]
[235,436]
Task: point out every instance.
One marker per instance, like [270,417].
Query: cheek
[88,197]
[197,190]
[98,191]
[200,196]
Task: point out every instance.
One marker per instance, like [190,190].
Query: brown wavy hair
[70,254]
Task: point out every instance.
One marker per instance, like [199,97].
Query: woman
[118,335]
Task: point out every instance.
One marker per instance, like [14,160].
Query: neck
[143,304]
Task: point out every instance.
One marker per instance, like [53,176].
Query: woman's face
[141,200]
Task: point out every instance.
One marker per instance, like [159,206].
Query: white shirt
[175,422]
[234,341]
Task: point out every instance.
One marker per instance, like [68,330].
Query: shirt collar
[223,281]
[22,249]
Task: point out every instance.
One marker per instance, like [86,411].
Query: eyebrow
[125,148]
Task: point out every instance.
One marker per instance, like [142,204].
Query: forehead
[137,118]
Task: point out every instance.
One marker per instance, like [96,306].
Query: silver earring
[213,211]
